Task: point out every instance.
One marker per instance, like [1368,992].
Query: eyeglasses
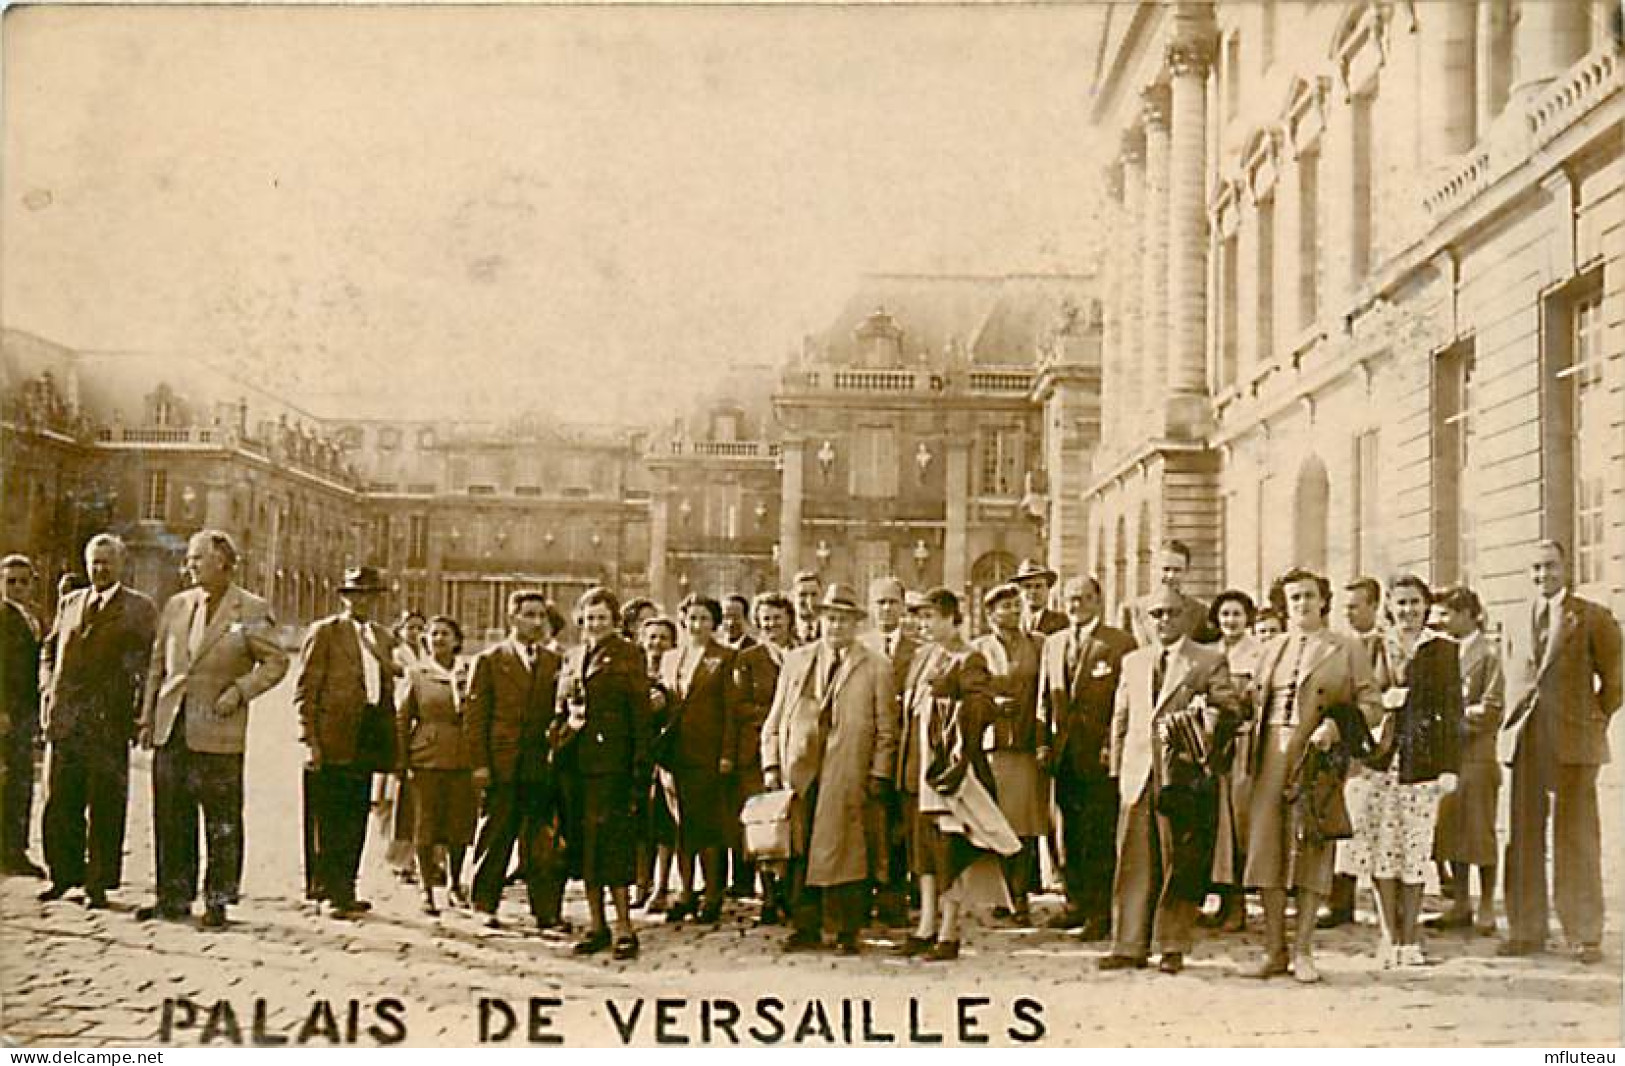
[1160,613]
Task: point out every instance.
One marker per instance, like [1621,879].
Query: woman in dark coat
[656,637]
[1416,762]
[435,758]
[605,720]
[701,739]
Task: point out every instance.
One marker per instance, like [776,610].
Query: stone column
[1549,35]
[955,567]
[793,453]
[1186,357]
[1111,370]
[1447,104]
[1154,264]
[1493,67]
[1126,247]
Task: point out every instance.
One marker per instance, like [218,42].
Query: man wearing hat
[832,738]
[894,642]
[215,653]
[345,688]
[1035,580]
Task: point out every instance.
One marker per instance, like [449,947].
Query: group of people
[1190,752]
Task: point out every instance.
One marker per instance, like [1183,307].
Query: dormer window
[389,439]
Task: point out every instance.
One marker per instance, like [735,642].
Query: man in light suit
[95,660]
[216,653]
[346,684]
[1172,563]
[1563,684]
[1158,888]
[19,713]
[832,737]
[512,701]
[1077,691]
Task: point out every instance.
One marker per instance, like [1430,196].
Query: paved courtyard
[282,972]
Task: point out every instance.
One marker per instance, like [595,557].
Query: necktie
[826,705]
[1074,649]
[1542,621]
[371,676]
[1159,675]
[93,607]
[200,615]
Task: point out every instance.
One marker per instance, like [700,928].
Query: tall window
[1577,428]
[1228,305]
[874,463]
[155,498]
[1367,505]
[1232,76]
[380,544]
[1360,195]
[1001,462]
[417,540]
[1454,482]
[1266,36]
[1308,238]
[1264,268]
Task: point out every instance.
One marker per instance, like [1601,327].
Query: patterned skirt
[1396,841]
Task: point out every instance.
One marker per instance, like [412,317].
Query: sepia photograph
[832,526]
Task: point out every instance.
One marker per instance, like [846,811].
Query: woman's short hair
[1411,581]
[634,607]
[1463,599]
[695,599]
[662,622]
[407,616]
[449,622]
[595,596]
[773,599]
[1232,596]
[1300,574]
[1270,614]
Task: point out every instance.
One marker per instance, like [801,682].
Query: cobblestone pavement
[70,976]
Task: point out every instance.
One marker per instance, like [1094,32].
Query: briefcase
[768,818]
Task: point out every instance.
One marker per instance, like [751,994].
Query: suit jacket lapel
[1567,621]
[224,616]
[1178,666]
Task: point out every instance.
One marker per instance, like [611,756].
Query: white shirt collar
[1084,632]
[102,599]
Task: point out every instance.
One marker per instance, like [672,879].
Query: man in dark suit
[216,652]
[511,705]
[888,829]
[735,628]
[804,593]
[19,713]
[1077,687]
[95,660]
[346,703]
[1038,618]
[1563,684]
[1172,563]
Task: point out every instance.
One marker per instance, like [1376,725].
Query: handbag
[768,821]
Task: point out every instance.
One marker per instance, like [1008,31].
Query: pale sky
[586,210]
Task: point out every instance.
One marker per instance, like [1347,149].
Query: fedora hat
[363,579]
[1030,569]
[839,597]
